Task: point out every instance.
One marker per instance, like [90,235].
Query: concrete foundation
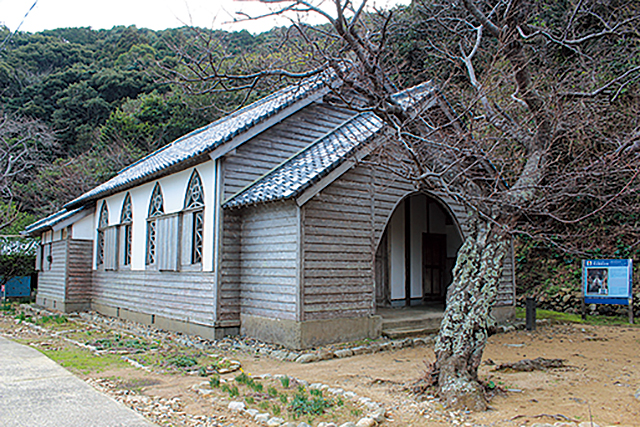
[62,306]
[302,335]
[162,322]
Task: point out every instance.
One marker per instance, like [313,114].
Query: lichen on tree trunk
[464,329]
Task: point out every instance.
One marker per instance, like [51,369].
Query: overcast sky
[153,14]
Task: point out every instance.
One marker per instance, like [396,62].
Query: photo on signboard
[597,281]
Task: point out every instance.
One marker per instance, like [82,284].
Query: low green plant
[214,381]
[285,381]
[264,405]
[276,410]
[250,400]
[284,399]
[272,391]
[313,404]
[183,361]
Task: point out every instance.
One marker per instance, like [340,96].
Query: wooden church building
[269,222]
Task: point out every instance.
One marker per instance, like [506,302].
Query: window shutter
[187,229]
[110,248]
[39,251]
[167,243]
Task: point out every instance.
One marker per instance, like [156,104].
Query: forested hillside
[84,103]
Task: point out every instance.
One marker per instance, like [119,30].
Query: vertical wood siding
[79,265]
[184,296]
[51,282]
[338,249]
[268,262]
[277,144]
[229,293]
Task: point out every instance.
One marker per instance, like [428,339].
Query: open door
[434,264]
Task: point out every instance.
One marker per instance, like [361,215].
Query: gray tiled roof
[50,221]
[308,166]
[203,140]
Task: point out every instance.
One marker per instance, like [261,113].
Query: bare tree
[543,131]
[22,144]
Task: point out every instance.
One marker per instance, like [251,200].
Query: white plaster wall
[396,244]
[174,189]
[84,228]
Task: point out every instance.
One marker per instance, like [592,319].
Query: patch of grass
[83,361]
[575,318]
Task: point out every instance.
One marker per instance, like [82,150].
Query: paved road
[36,392]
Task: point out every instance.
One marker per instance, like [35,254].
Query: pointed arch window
[193,221]
[103,223]
[156,209]
[126,223]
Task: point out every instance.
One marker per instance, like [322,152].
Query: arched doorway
[416,253]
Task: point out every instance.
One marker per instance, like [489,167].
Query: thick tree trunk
[464,329]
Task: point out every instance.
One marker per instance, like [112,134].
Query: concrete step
[431,321]
[408,327]
[395,334]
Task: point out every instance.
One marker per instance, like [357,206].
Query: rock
[237,406]
[252,412]
[303,424]
[366,422]
[290,424]
[588,424]
[315,386]
[637,394]
[541,425]
[378,415]
[326,355]
[327,425]
[420,342]
[563,424]
[349,424]
[275,422]
[341,354]
[280,354]
[262,418]
[359,350]
[350,395]
[307,358]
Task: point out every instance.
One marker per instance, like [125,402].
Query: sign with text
[607,281]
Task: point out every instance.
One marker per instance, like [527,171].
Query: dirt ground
[598,383]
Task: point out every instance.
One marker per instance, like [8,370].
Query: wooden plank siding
[229,290]
[338,249]
[52,282]
[268,262]
[277,144]
[79,265]
[184,296]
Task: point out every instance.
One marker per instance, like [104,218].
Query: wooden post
[531,314]
[631,309]
[583,308]
[407,252]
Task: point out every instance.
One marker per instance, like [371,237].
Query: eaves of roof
[53,220]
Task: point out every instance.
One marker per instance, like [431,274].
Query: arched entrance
[416,253]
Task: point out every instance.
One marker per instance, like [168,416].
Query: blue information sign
[607,281]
